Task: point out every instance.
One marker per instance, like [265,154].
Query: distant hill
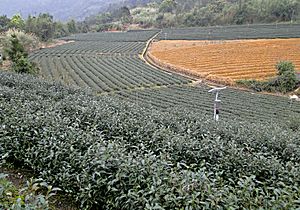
[60,9]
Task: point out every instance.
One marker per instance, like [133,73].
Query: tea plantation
[236,104]
[129,36]
[126,135]
[110,154]
[105,73]
[253,31]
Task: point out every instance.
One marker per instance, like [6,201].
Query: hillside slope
[109,154]
[60,9]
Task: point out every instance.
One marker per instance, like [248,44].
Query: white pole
[216,102]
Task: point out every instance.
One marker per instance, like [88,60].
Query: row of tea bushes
[111,154]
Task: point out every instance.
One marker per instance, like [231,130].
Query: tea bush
[34,195]
[111,154]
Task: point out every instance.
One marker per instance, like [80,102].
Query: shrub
[23,65]
[253,84]
[30,42]
[30,196]
[19,57]
[285,81]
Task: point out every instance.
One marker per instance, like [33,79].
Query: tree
[286,80]
[4,23]
[83,27]
[284,10]
[23,65]
[16,49]
[19,57]
[17,22]
[45,27]
[61,30]
[168,6]
[72,28]
[125,15]
[30,24]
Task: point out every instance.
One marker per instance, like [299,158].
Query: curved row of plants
[112,154]
[93,48]
[105,73]
[232,32]
[128,36]
[235,104]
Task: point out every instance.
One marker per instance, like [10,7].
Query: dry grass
[227,61]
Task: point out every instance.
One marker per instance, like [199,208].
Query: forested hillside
[102,15]
[174,13]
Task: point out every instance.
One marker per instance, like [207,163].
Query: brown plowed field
[226,61]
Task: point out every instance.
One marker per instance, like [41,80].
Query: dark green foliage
[284,67]
[286,80]
[4,23]
[255,31]
[124,15]
[109,154]
[72,28]
[129,36]
[16,50]
[294,123]
[19,57]
[167,6]
[24,66]
[29,196]
[183,13]
[254,85]
[42,25]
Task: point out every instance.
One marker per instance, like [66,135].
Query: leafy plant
[31,196]
[286,80]
[19,57]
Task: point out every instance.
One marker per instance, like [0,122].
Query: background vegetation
[159,14]
[180,13]
[42,25]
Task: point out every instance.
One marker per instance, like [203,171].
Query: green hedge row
[111,154]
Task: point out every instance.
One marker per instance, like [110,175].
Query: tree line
[160,14]
[186,13]
[42,25]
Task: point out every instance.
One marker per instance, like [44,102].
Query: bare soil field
[226,61]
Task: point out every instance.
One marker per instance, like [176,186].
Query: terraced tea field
[111,63]
[94,48]
[104,62]
[146,139]
[104,73]
[236,104]
[262,31]
[129,36]
[227,61]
